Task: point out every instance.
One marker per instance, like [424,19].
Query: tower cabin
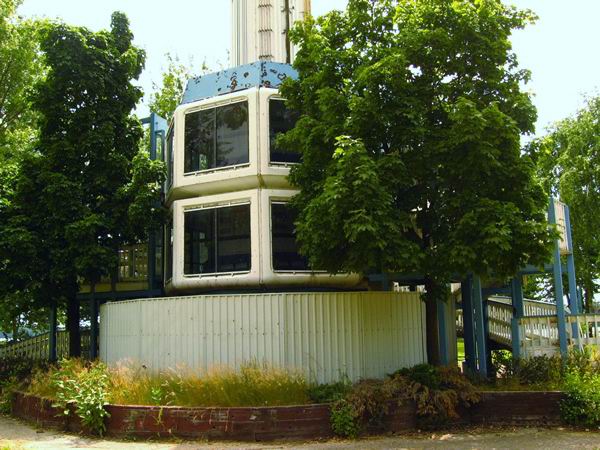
[235,288]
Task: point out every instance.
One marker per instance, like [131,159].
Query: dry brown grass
[252,385]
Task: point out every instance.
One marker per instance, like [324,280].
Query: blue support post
[158,129]
[481,338]
[486,333]
[52,356]
[443,335]
[518,312]
[468,327]
[573,297]
[385,283]
[558,286]
[93,327]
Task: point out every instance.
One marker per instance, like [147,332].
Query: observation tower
[227,185]
[237,288]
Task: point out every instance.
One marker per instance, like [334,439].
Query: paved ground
[15,435]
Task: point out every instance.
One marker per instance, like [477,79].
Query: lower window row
[218,240]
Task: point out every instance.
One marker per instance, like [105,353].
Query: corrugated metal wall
[328,335]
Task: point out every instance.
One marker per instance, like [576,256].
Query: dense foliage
[568,162]
[411,116]
[87,189]
[20,68]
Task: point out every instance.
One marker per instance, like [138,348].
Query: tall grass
[253,384]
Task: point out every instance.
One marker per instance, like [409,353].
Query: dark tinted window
[285,248]
[281,120]
[169,251]
[170,156]
[216,137]
[217,240]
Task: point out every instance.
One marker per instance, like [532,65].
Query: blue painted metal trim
[574,301]
[480,327]
[158,132]
[443,335]
[468,324]
[52,353]
[258,74]
[558,287]
[519,311]
[573,297]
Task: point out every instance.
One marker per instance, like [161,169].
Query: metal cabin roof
[259,74]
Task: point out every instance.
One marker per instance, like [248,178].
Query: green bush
[19,368]
[345,419]
[330,392]
[540,370]
[87,388]
[581,405]
[423,374]
[15,373]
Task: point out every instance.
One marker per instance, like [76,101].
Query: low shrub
[86,386]
[345,419]
[15,372]
[541,372]
[437,392]
[330,392]
[581,406]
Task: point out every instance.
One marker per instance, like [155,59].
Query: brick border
[282,422]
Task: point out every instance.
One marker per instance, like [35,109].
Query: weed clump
[436,391]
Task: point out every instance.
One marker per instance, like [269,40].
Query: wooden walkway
[538,330]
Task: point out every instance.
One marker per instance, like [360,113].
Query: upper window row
[219,137]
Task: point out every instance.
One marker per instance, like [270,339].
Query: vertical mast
[260,29]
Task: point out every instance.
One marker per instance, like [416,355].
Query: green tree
[568,163]
[79,195]
[20,68]
[411,117]
[167,97]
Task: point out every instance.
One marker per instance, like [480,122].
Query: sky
[561,49]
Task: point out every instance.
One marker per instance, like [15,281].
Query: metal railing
[38,347]
[500,314]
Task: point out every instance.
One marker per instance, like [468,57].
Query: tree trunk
[73,319]
[432,292]
[589,296]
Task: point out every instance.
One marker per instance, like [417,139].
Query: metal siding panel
[326,335]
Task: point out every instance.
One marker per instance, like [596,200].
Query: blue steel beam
[558,286]
[519,312]
[481,338]
[468,324]
[573,297]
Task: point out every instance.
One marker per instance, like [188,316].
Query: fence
[38,347]
[500,314]
[539,335]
